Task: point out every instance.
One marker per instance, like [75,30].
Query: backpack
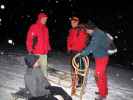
[111,45]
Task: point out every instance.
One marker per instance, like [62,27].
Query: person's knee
[98,75]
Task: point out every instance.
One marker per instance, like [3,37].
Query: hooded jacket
[38,37]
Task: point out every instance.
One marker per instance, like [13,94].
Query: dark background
[113,17]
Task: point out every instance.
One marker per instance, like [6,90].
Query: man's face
[74,23]
[44,20]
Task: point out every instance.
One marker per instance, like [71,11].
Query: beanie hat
[40,15]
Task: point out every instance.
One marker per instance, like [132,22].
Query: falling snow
[132,79]
[57,1]
[2,6]
[116,37]
[117,75]
[120,88]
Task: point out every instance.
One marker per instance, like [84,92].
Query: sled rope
[82,72]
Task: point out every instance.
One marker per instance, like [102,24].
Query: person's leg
[80,78]
[50,97]
[43,64]
[73,76]
[100,75]
[71,58]
[54,90]
[77,80]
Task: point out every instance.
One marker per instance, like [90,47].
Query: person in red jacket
[76,40]
[77,37]
[38,41]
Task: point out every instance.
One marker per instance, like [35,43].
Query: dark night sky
[18,15]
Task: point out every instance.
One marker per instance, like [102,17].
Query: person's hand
[69,52]
[78,54]
[36,65]
[49,49]
[111,52]
[30,52]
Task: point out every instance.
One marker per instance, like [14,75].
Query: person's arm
[69,41]
[46,42]
[90,48]
[49,46]
[29,41]
[55,90]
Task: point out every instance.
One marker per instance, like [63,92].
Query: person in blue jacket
[98,46]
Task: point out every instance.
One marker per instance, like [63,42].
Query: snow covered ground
[12,69]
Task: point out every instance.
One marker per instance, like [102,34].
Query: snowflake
[2,6]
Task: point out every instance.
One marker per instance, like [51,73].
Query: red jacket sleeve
[49,47]
[69,40]
[29,40]
[46,43]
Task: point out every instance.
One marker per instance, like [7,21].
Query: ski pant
[101,74]
[59,91]
[43,64]
[43,98]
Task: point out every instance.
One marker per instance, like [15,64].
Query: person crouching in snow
[37,85]
[98,46]
[34,78]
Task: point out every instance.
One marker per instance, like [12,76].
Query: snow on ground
[12,69]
